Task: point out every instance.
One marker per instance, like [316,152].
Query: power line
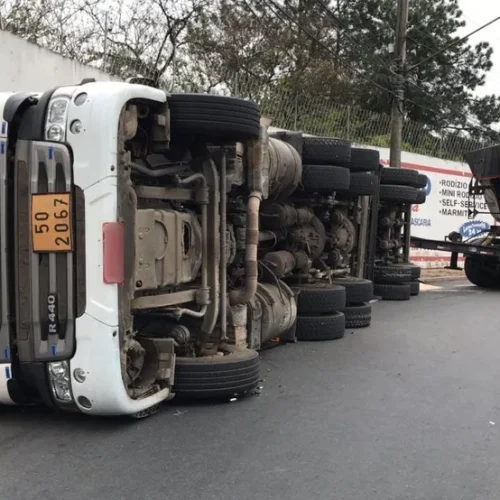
[359,72]
[349,37]
[462,65]
[455,42]
[313,37]
[356,70]
[432,96]
[342,25]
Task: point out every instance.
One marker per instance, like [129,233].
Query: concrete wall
[27,67]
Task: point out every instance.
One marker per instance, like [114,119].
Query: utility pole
[397,112]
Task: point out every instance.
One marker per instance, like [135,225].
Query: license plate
[51,217]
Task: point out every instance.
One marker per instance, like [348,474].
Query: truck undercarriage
[153,244]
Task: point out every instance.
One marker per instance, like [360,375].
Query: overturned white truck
[151,244]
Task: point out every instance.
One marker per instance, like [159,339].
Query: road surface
[408,409]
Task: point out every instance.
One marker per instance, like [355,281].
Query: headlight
[59,377]
[57,117]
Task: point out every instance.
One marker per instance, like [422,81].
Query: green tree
[251,45]
[251,39]
[440,90]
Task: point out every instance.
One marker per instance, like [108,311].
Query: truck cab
[63,249]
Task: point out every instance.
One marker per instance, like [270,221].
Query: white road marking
[425,287]
[462,288]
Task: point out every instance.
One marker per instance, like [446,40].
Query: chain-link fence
[321,116]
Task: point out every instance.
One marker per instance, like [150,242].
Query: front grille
[45,281]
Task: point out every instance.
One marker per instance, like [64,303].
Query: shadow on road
[14,417]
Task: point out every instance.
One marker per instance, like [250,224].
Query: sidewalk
[434,274]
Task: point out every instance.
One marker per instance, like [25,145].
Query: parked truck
[482,251]
[152,244]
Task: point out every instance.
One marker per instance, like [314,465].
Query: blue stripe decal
[2,148]
[7,372]
[51,153]
[4,128]
[54,351]
[6,353]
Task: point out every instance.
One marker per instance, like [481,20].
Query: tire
[325,327]
[393,292]
[400,194]
[421,181]
[325,151]
[421,197]
[416,271]
[213,118]
[357,289]
[217,376]
[325,178]
[321,298]
[364,160]
[480,276]
[398,176]
[392,274]
[362,184]
[414,288]
[358,316]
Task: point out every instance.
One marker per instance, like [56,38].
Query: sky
[477,13]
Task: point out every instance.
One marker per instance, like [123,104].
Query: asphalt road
[407,409]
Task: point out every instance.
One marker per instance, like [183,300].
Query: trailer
[482,252]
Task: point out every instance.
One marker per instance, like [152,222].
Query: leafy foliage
[318,65]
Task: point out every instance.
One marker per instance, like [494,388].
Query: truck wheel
[364,160]
[358,316]
[421,197]
[320,298]
[401,194]
[325,151]
[393,292]
[325,327]
[357,290]
[414,288]
[421,181]
[416,271]
[479,275]
[392,274]
[325,178]
[362,184]
[213,118]
[235,374]
[398,176]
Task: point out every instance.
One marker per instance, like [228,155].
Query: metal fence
[321,116]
